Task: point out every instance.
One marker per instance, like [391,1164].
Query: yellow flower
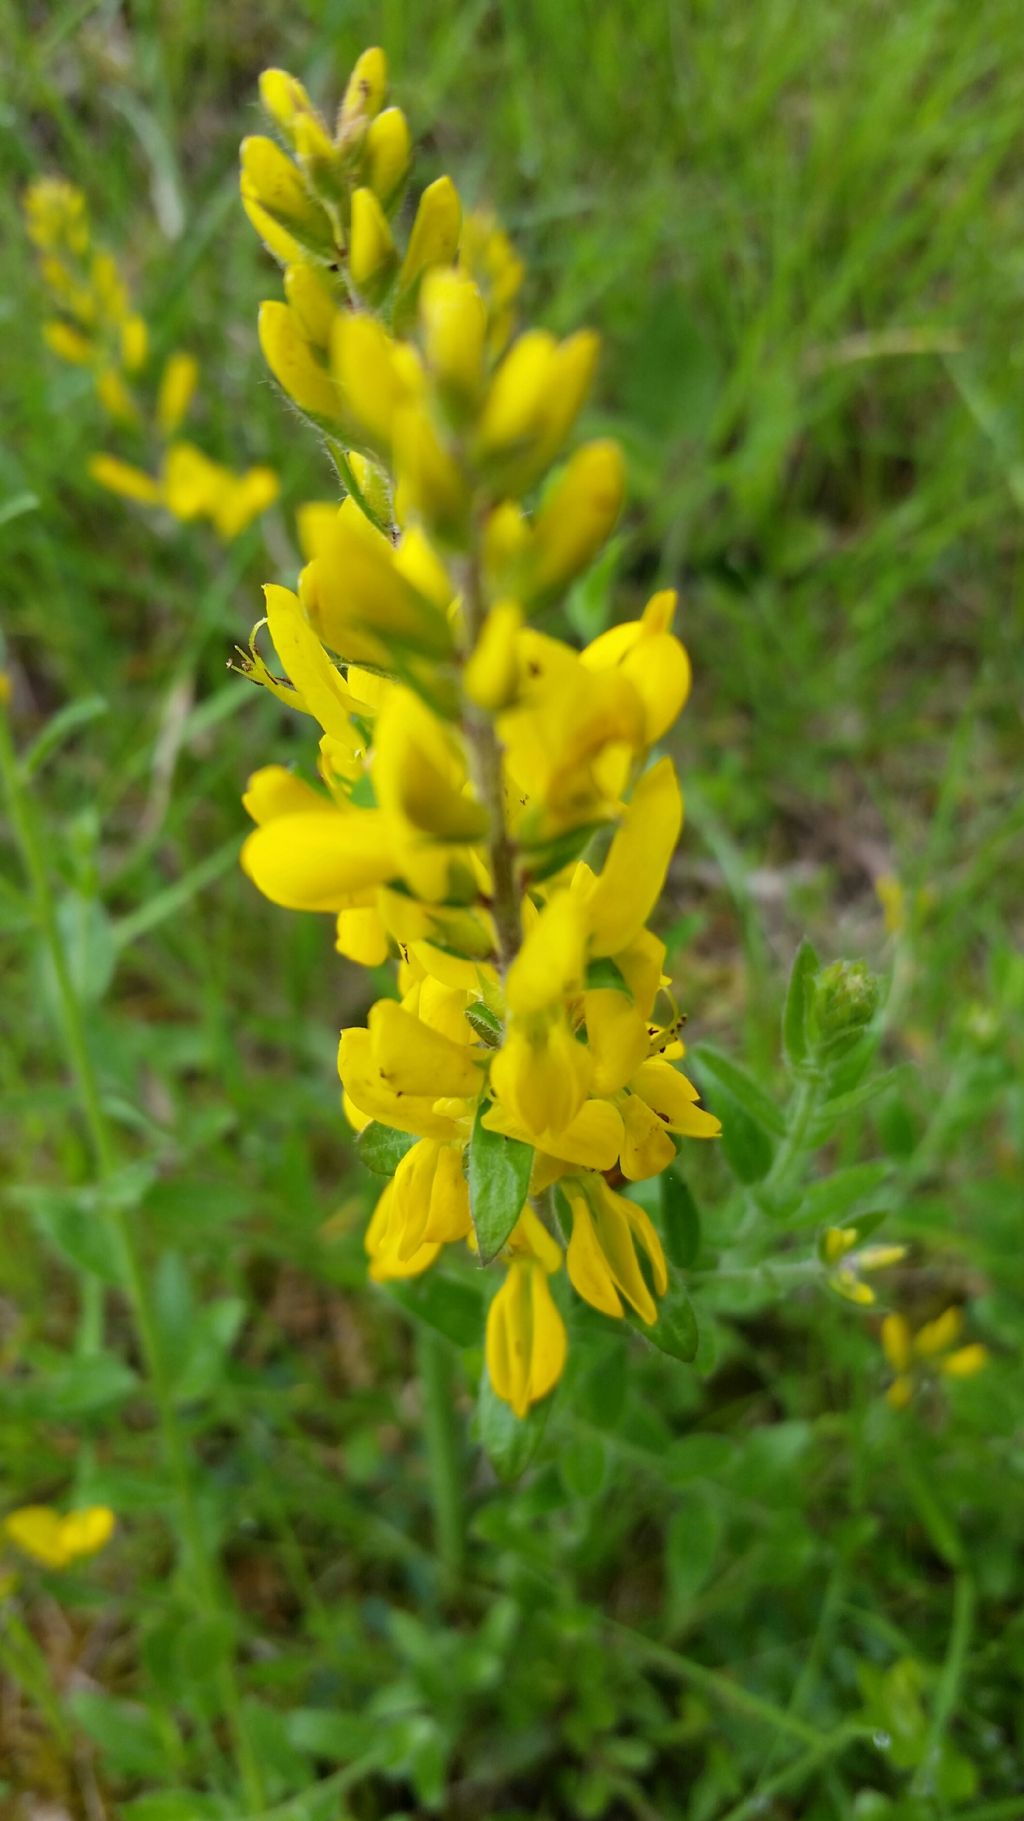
[526,1342]
[57,1541]
[602,1258]
[932,1347]
[177,385]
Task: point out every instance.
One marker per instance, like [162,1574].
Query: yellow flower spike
[896,1342]
[491,675]
[365,94]
[125,479]
[633,874]
[68,344]
[433,241]
[965,1362]
[372,255]
[362,937]
[939,1335]
[315,860]
[372,378]
[602,1258]
[134,343]
[837,1242]
[387,154]
[518,393]
[277,202]
[454,324]
[311,301]
[275,791]
[577,516]
[526,1342]
[414,1059]
[541,1074]
[295,367]
[550,964]
[177,386]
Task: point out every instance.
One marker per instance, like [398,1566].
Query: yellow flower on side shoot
[915,1354]
[57,1541]
[491,813]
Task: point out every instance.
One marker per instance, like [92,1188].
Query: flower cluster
[913,1354]
[97,326]
[58,1539]
[488,812]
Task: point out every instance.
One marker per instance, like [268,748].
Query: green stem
[202,1572]
[437,1381]
[949,1683]
[803,1106]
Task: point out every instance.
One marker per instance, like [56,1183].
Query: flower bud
[372,255]
[388,154]
[577,516]
[295,366]
[845,1001]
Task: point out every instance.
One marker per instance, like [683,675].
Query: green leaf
[499,1177]
[605,973]
[90,947]
[796,1016]
[834,1111]
[72,1221]
[509,1444]
[328,1732]
[82,1388]
[828,1203]
[454,1308]
[381,1148]
[583,1466]
[691,1545]
[128,1735]
[485,1023]
[680,1221]
[178,1805]
[742,1088]
[675,1331]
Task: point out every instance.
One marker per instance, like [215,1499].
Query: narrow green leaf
[744,1090]
[833,1111]
[828,1203]
[381,1148]
[680,1220]
[796,1016]
[675,1331]
[74,1224]
[499,1177]
[691,1545]
[485,1023]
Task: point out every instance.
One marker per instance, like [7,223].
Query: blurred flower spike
[849,1263]
[914,1354]
[57,1541]
[490,813]
[96,325]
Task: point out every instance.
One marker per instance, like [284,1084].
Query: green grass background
[742,1588]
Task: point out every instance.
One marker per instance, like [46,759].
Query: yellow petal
[68,344]
[387,152]
[434,240]
[413,1059]
[275,791]
[647,1148]
[518,392]
[311,301]
[896,1344]
[88,1530]
[121,477]
[542,1075]
[366,90]
[577,516]
[492,670]
[314,861]
[633,874]
[306,664]
[430,484]
[38,1532]
[362,936]
[295,366]
[272,184]
[454,322]
[371,252]
[549,966]
[525,1341]
[374,376]
[591,1141]
[616,1036]
[674,1099]
[359,588]
[939,1335]
[965,1362]
[177,385]
[383,1239]
[372,1098]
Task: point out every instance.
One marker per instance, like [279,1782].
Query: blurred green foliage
[741,1587]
